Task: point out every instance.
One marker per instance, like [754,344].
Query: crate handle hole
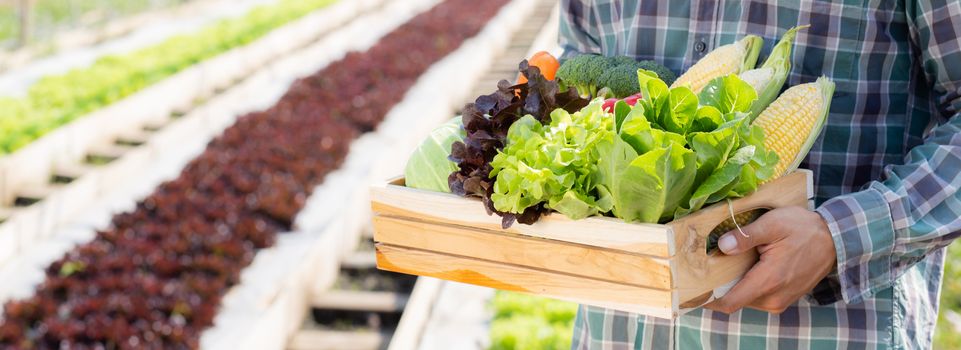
[743,218]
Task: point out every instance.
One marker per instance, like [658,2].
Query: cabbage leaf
[428,167]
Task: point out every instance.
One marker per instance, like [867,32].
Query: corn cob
[793,122]
[758,78]
[770,77]
[728,59]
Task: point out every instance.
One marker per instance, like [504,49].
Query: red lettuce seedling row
[155,278]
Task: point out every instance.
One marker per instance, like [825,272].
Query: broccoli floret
[622,60]
[662,72]
[582,73]
[589,73]
[622,79]
[593,70]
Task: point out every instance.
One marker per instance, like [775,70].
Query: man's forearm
[883,230]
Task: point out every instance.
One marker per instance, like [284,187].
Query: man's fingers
[754,234]
[756,283]
[772,304]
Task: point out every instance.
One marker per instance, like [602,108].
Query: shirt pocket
[833,45]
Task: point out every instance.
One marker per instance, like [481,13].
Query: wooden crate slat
[399,201]
[539,253]
[565,287]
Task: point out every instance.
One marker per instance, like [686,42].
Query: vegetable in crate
[670,154]
[768,79]
[728,59]
[582,72]
[631,100]
[590,74]
[553,164]
[486,122]
[545,62]
[794,121]
[621,79]
[675,152]
[428,167]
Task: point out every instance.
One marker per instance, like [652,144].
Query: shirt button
[700,46]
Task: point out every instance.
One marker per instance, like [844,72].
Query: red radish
[608,105]
[632,100]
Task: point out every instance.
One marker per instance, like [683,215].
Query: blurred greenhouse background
[24,22]
[112,112]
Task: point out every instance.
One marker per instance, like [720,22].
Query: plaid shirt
[887,167]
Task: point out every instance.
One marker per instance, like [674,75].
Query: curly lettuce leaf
[487,122]
[554,164]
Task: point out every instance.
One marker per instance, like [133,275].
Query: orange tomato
[545,62]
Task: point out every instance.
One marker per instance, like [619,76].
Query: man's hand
[796,252]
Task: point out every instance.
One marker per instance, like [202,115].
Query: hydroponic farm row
[52,178]
[154,278]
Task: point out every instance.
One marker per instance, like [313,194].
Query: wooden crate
[657,270]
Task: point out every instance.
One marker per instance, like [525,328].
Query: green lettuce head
[428,167]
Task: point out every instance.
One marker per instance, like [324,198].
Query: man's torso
[878,113]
